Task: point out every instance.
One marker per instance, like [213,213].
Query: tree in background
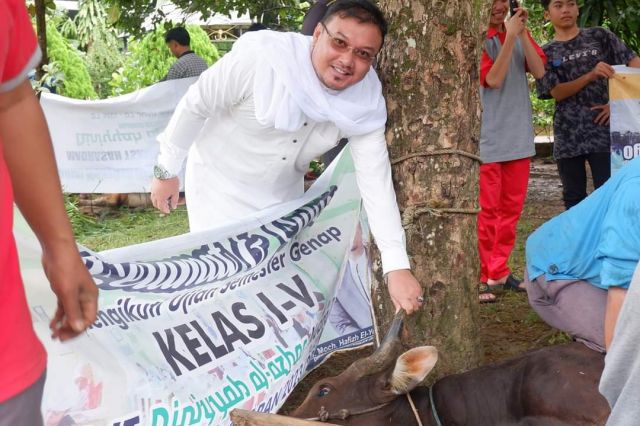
[99,40]
[620,16]
[148,59]
[280,14]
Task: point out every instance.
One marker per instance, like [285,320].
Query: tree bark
[429,69]
[41,28]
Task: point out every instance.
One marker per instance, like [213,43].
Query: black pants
[573,174]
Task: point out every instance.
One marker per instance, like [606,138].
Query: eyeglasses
[342,46]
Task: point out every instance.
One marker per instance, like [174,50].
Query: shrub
[76,82]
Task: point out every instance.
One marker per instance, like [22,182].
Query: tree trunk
[429,69]
[41,28]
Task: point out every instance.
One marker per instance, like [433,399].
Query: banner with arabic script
[193,326]
[624,101]
[109,145]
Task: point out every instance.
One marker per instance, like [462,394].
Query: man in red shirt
[27,168]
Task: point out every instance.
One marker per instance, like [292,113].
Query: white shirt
[236,165]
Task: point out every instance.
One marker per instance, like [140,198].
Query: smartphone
[513,5]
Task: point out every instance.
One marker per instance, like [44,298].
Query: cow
[556,385]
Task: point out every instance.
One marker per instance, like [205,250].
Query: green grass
[128,226]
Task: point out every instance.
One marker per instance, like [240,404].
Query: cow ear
[412,367]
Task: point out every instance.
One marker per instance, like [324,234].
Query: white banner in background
[193,326]
[110,145]
[624,100]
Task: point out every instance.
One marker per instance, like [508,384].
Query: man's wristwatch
[161,173]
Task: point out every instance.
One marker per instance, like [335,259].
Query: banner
[624,100]
[193,326]
[109,145]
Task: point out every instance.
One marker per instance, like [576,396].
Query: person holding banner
[581,262]
[27,168]
[254,120]
[580,62]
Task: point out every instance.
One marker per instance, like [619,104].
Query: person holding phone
[506,140]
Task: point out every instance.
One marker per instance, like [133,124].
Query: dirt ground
[508,327]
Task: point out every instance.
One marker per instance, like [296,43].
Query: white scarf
[287,90]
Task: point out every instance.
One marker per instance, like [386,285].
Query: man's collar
[185,53]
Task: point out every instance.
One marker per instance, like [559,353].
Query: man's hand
[601,70]
[76,292]
[165,193]
[515,25]
[404,290]
[523,13]
[603,116]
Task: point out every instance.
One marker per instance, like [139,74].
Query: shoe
[513,284]
[485,295]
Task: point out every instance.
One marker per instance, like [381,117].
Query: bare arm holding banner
[39,197]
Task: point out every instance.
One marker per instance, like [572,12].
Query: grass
[128,226]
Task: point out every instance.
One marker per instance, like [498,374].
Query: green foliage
[541,30]
[94,35]
[50,77]
[542,113]
[76,81]
[149,59]
[103,59]
[90,22]
[620,16]
[280,14]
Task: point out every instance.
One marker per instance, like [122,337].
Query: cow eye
[324,391]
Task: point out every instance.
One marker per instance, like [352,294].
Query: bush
[76,82]
[149,59]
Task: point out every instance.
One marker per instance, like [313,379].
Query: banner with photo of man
[193,326]
[624,101]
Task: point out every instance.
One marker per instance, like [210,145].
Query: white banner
[193,326]
[109,145]
[624,100]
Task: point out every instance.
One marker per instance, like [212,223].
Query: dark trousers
[24,408]
[573,174]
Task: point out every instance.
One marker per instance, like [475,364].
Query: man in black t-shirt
[579,64]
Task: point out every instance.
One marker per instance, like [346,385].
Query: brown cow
[552,386]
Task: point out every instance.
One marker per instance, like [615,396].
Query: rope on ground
[437,152]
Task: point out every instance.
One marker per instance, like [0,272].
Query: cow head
[372,381]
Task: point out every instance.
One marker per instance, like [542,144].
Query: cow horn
[386,352]
[394,329]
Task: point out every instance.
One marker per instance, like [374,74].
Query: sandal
[513,284]
[485,295]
